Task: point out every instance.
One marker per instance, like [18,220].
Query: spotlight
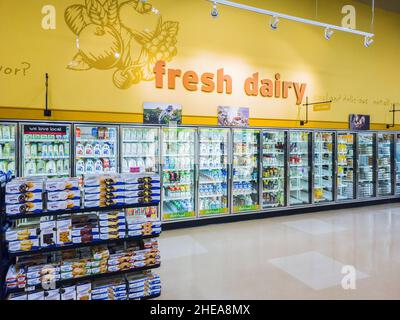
[117,55]
[77,43]
[368,41]
[214,11]
[328,33]
[274,23]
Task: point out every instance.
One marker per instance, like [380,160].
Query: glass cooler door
[140,150]
[299,168]
[46,150]
[397,160]
[8,136]
[245,178]
[323,167]
[385,147]
[178,173]
[365,165]
[345,166]
[273,168]
[213,171]
[96,149]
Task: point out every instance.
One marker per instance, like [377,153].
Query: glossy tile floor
[308,256]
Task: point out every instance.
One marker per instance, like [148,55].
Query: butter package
[64,205]
[22,185]
[21,198]
[26,208]
[18,234]
[24,245]
[48,234]
[64,232]
[63,195]
[61,184]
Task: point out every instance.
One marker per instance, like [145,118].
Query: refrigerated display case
[345,165]
[8,142]
[178,173]
[96,149]
[213,172]
[299,167]
[45,150]
[140,149]
[365,151]
[323,166]
[397,162]
[273,169]
[385,147]
[245,170]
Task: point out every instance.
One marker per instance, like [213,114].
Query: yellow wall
[359,80]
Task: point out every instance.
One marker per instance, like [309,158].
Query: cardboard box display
[61,184]
[22,185]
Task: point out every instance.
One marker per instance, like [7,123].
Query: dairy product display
[385,145]
[299,167]
[140,150]
[273,168]
[397,163]
[96,149]
[323,166]
[366,166]
[245,184]
[46,150]
[345,165]
[8,147]
[213,171]
[178,157]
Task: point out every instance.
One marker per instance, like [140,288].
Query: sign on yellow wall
[100,56]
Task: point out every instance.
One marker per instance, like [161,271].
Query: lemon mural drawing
[127,36]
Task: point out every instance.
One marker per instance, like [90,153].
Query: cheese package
[61,184]
[63,195]
[24,245]
[48,234]
[22,185]
[64,205]
[64,228]
[21,198]
[22,233]
[26,208]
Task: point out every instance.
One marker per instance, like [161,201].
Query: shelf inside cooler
[96,140]
[215,195]
[6,140]
[178,198]
[170,184]
[273,190]
[47,158]
[139,141]
[46,140]
[94,156]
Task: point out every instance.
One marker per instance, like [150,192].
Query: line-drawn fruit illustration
[128,36]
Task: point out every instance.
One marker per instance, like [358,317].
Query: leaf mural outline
[128,37]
